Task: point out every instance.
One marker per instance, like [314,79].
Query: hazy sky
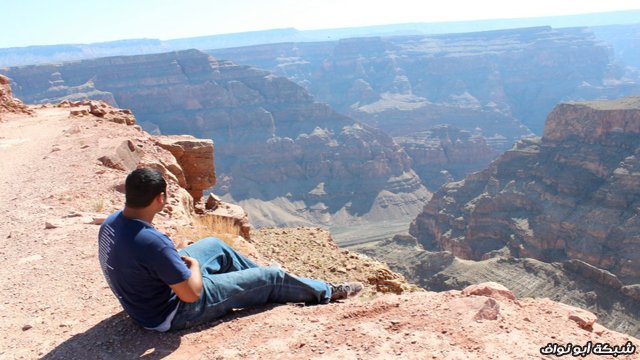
[44,22]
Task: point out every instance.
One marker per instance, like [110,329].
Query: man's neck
[143,214]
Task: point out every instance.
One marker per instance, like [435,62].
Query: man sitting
[162,288]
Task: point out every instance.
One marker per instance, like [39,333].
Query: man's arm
[190,289]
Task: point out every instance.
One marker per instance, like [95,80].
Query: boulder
[98,109]
[632,291]
[491,290]
[212,202]
[583,318]
[489,311]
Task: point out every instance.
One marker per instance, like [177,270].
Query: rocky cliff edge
[64,172]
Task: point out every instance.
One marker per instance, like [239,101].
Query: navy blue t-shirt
[139,263]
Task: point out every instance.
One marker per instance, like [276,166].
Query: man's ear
[161,198]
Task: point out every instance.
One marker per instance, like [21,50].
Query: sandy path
[47,274]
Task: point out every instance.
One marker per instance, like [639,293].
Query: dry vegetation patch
[311,252]
[302,251]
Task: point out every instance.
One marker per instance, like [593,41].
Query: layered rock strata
[195,156]
[573,194]
[496,84]
[625,40]
[280,155]
[446,153]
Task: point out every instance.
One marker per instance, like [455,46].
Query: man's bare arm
[190,289]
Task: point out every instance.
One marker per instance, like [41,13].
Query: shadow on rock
[117,337]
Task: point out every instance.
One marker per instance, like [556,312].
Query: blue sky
[45,22]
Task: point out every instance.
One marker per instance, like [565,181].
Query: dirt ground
[55,304]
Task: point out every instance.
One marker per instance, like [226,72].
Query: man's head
[143,186]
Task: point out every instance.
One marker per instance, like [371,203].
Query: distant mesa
[499,84]
[617,27]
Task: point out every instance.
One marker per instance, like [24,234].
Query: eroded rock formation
[279,154]
[185,162]
[99,109]
[573,194]
[446,153]
[9,104]
[195,157]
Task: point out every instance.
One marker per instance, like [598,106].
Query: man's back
[139,263]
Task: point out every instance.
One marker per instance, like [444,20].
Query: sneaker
[344,290]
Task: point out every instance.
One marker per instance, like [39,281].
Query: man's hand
[190,289]
[190,262]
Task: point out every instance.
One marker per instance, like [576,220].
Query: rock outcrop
[573,194]
[235,214]
[283,157]
[9,104]
[195,157]
[185,162]
[99,109]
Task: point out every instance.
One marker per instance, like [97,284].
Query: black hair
[142,186]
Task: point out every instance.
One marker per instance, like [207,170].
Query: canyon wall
[498,84]
[284,157]
[625,40]
[572,194]
[446,153]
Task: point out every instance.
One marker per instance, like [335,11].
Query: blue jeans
[230,280]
